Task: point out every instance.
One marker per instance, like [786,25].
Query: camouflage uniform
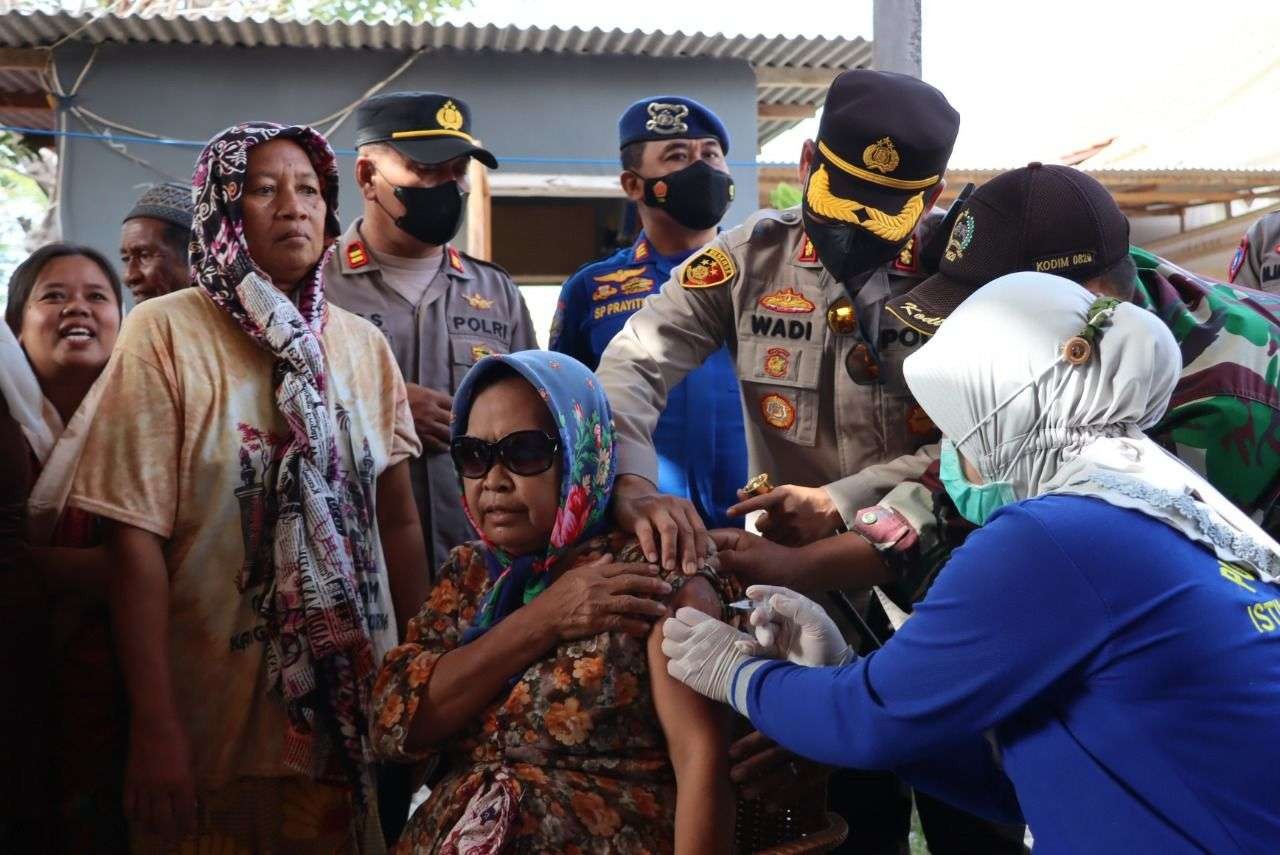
[1223,420]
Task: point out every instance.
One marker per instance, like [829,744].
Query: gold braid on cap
[891,227]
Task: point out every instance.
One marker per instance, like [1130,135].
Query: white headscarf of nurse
[1044,388]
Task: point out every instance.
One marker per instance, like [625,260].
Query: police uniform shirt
[1256,263]
[469,310]
[760,290]
[702,452]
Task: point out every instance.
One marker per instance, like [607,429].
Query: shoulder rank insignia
[642,251]
[789,301]
[604,292]
[455,260]
[478,302]
[907,261]
[808,253]
[356,256]
[712,266]
[619,275]
[640,285]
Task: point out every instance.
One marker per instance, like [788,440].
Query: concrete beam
[20,59]
[789,78]
[25,101]
[896,36]
[785,111]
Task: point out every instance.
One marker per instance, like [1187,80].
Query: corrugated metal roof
[21,29]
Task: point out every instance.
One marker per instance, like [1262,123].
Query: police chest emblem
[619,275]
[710,267]
[777,361]
[478,302]
[449,116]
[637,286]
[666,119]
[604,292]
[356,256]
[480,351]
[788,301]
[961,236]
[881,156]
[778,411]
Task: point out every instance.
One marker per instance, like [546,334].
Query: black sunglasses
[525,452]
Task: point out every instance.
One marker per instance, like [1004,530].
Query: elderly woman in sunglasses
[535,665]
[1112,629]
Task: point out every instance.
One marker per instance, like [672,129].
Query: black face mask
[696,197]
[845,250]
[432,215]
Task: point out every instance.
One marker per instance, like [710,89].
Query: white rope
[341,115]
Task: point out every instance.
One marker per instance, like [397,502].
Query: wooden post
[479,212]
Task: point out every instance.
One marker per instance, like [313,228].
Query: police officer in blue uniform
[673,168]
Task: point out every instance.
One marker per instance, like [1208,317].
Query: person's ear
[935,193]
[807,153]
[632,185]
[365,171]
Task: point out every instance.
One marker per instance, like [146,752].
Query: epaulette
[482,263]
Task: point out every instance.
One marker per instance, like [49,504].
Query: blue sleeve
[1010,617]
[568,328]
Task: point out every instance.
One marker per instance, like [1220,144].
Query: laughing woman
[534,667]
[64,743]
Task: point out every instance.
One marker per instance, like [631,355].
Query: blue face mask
[975,502]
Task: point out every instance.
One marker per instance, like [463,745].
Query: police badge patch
[778,411]
[708,268]
[1237,260]
[667,119]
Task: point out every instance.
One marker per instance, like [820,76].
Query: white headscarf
[994,381]
[55,445]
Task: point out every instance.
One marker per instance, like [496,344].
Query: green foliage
[416,11]
[784,196]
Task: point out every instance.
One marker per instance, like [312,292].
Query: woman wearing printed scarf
[252,447]
[63,744]
[1113,628]
[534,668]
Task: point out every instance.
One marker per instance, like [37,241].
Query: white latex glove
[703,653]
[793,627]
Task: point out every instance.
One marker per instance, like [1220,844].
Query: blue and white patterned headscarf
[582,415]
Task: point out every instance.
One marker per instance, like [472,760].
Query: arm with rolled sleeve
[673,333]
[868,486]
[990,640]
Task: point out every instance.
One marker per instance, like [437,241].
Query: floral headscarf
[581,412]
[319,653]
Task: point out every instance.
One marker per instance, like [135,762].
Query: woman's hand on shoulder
[603,596]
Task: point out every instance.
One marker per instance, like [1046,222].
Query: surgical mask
[432,215]
[845,250]
[975,502]
[696,197]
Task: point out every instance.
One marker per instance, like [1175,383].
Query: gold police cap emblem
[881,156]
[449,116]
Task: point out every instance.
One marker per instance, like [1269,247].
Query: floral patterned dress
[571,759]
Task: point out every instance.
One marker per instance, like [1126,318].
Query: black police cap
[424,126]
[883,143]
